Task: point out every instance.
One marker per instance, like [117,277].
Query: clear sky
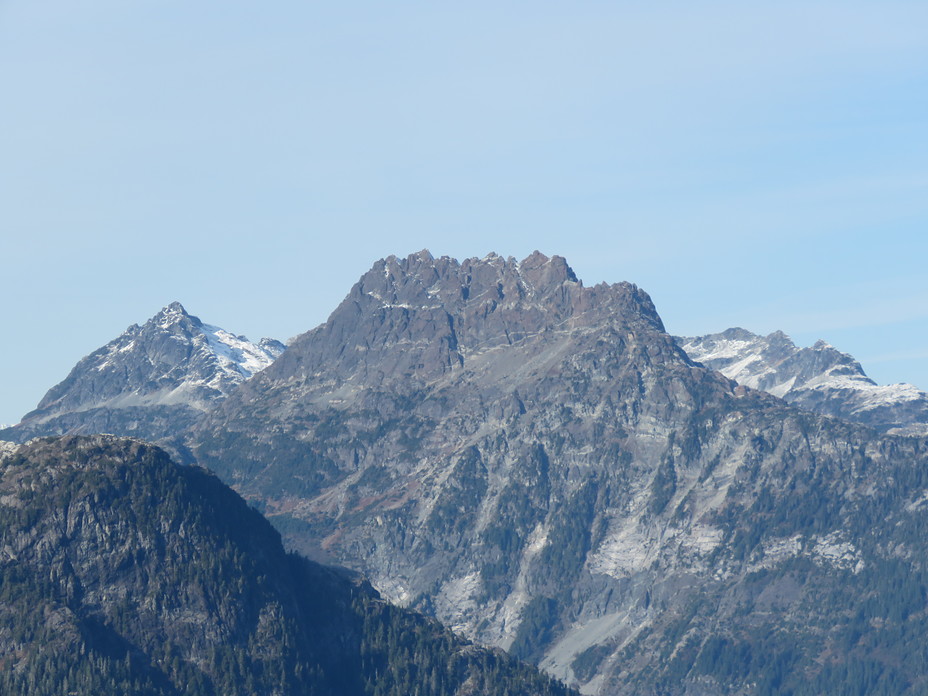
[760,164]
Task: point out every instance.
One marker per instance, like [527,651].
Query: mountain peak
[175,309]
[429,314]
[780,337]
[538,464]
[738,334]
[546,272]
[173,315]
[150,379]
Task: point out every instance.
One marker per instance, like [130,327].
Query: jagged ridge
[542,467]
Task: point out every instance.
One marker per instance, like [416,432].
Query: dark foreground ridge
[121,572]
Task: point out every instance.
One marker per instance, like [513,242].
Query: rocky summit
[538,464]
[819,378]
[150,381]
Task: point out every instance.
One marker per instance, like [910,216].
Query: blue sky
[754,164]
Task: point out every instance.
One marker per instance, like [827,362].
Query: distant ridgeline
[540,466]
[123,573]
[820,379]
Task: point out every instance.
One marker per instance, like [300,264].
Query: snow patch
[721,350]
[739,371]
[782,389]
[236,354]
[402,305]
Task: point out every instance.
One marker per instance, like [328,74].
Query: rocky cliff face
[151,381]
[819,378]
[539,465]
[121,572]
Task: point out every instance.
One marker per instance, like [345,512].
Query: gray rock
[539,465]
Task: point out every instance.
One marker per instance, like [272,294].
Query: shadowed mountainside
[121,572]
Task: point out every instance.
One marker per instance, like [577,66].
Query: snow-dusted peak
[820,378]
[768,362]
[173,361]
[232,358]
[175,309]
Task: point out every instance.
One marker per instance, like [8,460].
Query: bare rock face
[152,381]
[539,465]
[418,318]
[820,378]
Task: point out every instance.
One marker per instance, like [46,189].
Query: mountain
[151,381]
[539,465]
[121,572]
[820,378]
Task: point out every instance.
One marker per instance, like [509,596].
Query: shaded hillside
[121,572]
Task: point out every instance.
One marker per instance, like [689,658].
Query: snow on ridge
[820,376]
[740,371]
[114,349]
[720,350]
[744,361]
[872,396]
[238,357]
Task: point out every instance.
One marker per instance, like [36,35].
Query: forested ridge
[122,572]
